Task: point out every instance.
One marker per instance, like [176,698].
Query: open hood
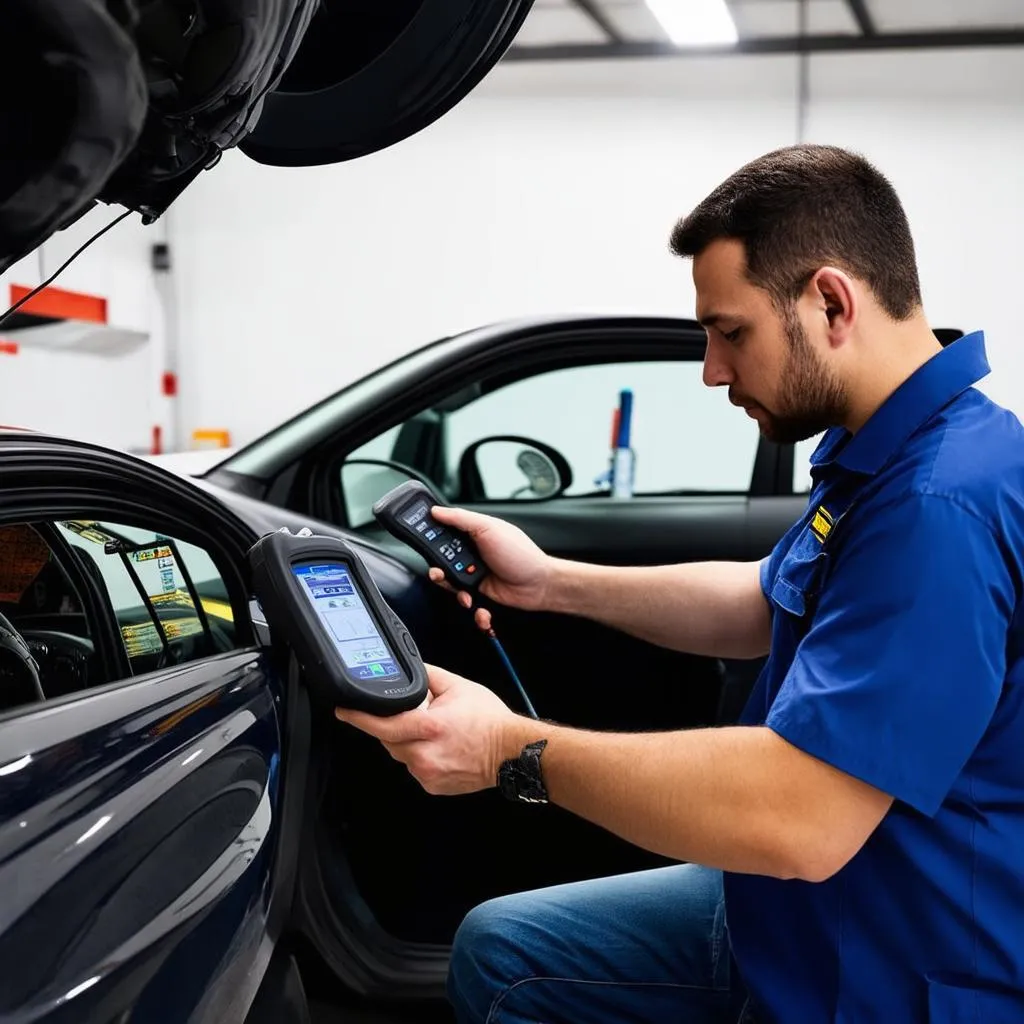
[127,101]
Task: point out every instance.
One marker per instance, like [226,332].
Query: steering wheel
[11,640]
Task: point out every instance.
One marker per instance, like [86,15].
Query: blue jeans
[645,947]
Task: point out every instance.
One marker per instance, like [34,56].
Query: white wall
[111,400]
[553,188]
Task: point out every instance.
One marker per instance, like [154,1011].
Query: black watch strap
[520,778]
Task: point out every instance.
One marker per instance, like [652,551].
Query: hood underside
[127,101]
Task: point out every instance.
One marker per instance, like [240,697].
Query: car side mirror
[512,468]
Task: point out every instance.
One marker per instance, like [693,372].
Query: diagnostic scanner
[318,596]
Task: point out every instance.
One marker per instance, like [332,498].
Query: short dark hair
[802,207]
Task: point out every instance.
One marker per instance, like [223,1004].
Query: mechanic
[852,848]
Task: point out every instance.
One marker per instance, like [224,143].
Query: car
[185,834]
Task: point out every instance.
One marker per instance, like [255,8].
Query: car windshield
[255,458]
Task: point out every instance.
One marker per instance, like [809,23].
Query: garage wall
[108,399]
[553,188]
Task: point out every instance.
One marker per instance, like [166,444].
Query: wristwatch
[520,778]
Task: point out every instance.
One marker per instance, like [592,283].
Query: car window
[685,437]
[169,600]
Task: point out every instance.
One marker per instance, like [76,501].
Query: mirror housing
[547,472]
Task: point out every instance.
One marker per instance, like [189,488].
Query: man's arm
[716,609]
[712,608]
[740,799]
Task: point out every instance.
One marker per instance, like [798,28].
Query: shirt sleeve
[767,574]
[901,671]
[769,565]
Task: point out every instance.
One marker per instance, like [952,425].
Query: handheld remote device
[405,513]
[317,594]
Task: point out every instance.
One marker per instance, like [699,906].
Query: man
[853,846]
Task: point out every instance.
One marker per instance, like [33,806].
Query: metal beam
[982,38]
[861,15]
[599,18]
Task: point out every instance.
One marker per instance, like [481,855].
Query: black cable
[505,659]
[78,252]
[512,672]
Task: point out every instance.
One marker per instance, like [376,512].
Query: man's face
[773,366]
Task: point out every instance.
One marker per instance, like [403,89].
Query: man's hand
[453,743]
[520,573]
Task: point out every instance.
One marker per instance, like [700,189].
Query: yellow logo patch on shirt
[821,523]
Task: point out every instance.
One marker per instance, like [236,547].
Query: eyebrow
[711,319]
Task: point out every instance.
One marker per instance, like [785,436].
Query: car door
[143,866]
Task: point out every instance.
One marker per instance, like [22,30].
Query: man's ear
[835,297]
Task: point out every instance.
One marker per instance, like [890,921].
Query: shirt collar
[957,367]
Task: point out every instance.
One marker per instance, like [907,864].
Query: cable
[511,671]
[35,291]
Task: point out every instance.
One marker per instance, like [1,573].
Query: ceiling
[581,29]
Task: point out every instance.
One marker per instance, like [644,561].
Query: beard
[810,398]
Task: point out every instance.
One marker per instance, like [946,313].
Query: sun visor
[368,75]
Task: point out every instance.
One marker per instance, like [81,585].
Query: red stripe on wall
[61,304]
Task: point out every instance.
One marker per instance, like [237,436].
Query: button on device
[470,569]
[459,567]
[410,646]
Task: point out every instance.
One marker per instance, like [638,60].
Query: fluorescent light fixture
[696,22]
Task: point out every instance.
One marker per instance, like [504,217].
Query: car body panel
[136,846]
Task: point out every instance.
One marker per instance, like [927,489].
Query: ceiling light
[695,22]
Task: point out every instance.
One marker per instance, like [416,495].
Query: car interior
[76,613]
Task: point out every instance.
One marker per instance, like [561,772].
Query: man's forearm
[710,608]
[739,799]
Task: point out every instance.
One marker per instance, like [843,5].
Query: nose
[717,369]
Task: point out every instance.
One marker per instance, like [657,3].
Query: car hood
[127,103]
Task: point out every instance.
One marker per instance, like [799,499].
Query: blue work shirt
[897,656]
